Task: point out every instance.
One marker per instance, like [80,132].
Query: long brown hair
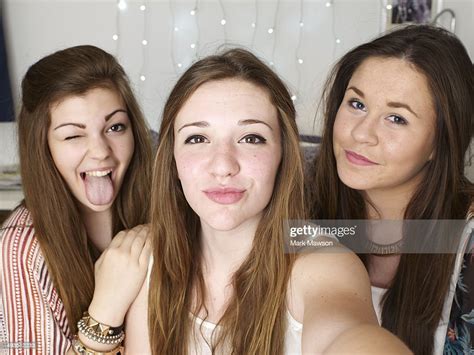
[58,225]
[413,304]
[254,322]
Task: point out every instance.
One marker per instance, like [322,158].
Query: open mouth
[99,186]
[97,173]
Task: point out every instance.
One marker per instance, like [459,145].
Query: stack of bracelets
[99,333]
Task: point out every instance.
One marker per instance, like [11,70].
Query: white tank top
[440,333]
[199,346]
[203,330]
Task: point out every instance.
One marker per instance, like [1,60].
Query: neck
[99,227]
[390,203]
[224,251]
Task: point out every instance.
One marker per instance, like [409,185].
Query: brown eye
[195,139]
[253,139]
[119,127]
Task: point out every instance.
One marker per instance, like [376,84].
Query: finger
[138,244]
[117,240]
[129,238]
[146,252]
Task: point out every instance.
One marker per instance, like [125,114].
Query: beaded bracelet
[81,349]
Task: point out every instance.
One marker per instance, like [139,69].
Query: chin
[223,224]
[353,182]
[95,208]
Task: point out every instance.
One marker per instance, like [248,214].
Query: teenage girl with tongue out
[85,164]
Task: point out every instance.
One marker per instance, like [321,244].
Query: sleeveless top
[203,330]
[200,339]
[442,338]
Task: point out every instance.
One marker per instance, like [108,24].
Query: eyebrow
[389,104]
[253,121]
[200,124]
[80,125]
[203,124]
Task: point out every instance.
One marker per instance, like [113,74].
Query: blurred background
[156,41]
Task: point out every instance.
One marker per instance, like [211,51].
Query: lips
[358,159]
[225,196]
[97,173]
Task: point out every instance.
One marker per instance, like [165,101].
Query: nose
[99,148]
[224,162]
[365,131]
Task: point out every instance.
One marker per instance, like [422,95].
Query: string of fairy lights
[180,61]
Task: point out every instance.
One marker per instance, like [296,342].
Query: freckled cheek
[189,167]
[342,129]
[262,166]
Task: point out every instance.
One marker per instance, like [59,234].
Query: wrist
[82,346]
[106,315]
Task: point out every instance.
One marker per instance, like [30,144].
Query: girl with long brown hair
[227,177]
[85,164]
[398,123]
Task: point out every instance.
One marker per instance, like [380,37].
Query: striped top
[32,316]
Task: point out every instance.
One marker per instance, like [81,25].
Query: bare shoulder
[334,266]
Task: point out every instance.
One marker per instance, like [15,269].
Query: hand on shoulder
[119,275]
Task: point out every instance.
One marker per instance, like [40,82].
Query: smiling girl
[399,121]
[228,176]
[85,166]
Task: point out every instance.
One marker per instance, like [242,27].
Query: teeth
[98,173]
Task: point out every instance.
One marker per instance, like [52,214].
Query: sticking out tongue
[99,190]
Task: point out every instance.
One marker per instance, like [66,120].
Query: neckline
[211,326]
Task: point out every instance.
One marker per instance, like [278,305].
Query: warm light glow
[122,5]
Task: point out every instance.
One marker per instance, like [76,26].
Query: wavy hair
[59,228]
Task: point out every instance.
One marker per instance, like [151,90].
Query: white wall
[35,28]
